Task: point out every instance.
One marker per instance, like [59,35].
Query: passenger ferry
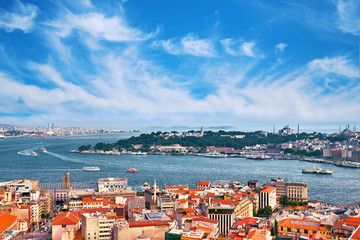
[91,169]
[317,170]
[132,170]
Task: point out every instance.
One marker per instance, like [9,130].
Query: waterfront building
[112,184]
[296,191]
[253,184]
[267,197]
[280,185]
[177,188]
[203,185]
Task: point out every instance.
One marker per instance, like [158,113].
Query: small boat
[34,154]
[43,149]
[132,170]
[145,186]
[91,169]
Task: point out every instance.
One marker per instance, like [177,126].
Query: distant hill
[2,125]
[187,128]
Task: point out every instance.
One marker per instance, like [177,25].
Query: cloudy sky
[137,63]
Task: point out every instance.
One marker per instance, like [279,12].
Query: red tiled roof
[6,220]
[149,223]
[177,187]
[205,219]
[246,221]
[203,182]
[288,222]
[356,234]
[268,189]
[223,202]
[66,218]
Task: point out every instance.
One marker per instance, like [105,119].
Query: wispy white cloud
[348,13]
[99,26]
[190,44]
[279,51]
[238,47]
[338,65]
[22,17]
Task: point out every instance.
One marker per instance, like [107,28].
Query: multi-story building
[292,227]
[280,185]
[112,184]
[267,197]
[97,226]
[65,225]
[203,185]
[296,191]
[46,202]
[221,210]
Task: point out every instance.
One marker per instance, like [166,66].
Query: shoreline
[339,163]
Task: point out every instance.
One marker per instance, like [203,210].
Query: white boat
[145,186]
[258,157]
[34,154]
[317,170]
[91,169]
[215,154]
[43,149]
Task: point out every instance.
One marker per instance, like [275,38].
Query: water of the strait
[342,187]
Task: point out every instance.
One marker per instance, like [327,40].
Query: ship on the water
[91,169]
[258,157]
[43,149]
[34,154]
[347,164]
[132,170]
[317,170]
[215,154]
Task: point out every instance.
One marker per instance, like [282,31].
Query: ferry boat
[258,157]
[215,154]
[317,170]
[34,154]
[132,170]
[347,164]
[91,169]
[43,149]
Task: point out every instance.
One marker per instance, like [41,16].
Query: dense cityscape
[222,209]
[180,120]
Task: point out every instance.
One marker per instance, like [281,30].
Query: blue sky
[131,64]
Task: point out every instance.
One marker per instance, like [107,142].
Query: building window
[63,226]
[305,231]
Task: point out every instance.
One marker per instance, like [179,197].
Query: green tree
[284,200]
[265,212]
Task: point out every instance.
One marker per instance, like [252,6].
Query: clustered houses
[221,209]
[22,205]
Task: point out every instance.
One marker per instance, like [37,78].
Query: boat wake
[27,152]
[63,157]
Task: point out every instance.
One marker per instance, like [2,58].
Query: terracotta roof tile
[66,218]
[6,220]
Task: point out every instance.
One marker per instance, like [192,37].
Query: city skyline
[137,64]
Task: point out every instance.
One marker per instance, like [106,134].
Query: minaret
[165,187]
[155,191]
[298,128]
